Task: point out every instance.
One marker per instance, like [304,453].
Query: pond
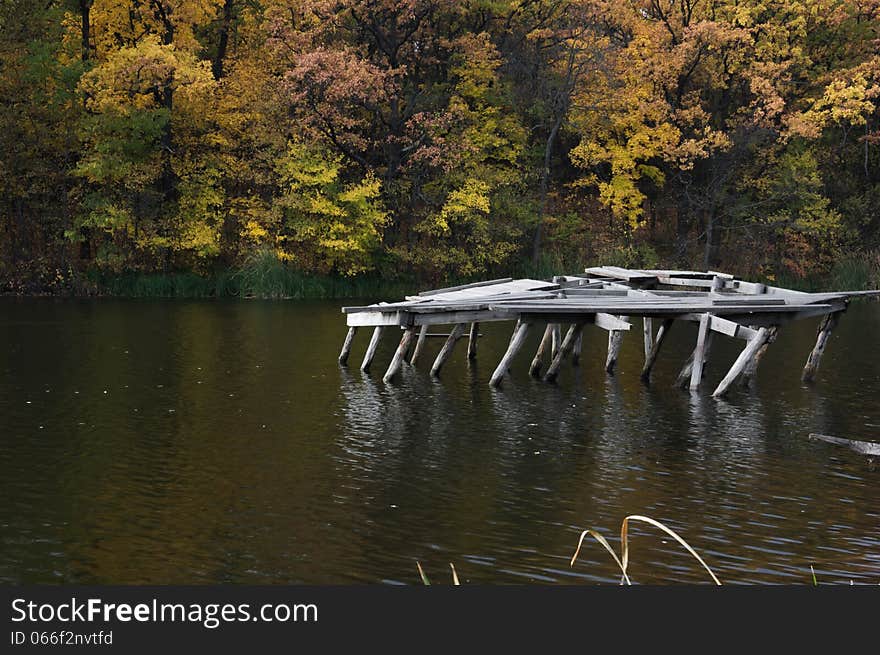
[172,442]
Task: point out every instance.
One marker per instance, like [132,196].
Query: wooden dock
[609,298]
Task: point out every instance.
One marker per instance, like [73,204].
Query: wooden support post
[684,377]
[700,351]
[399,355]
[472,341]
[447,348]
[538,361]
[577,348]
[744,357]
[371,349]
[516,342]
[655,349]
[615,339]
[420,344]
[823,333]
[557,339]
[564,349]
[346,346]
[648,332]
[751,369]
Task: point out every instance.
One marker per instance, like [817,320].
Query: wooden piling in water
[371,349]
[615,340]
[648,334]
[545,345]
[826,327]
[699,352]
[748,352]
[577,348]
[651,359]
[420,344]
[751,370]
[472,341]
[516,342]
[684,377]
[564,349]
[557,339]
[399,355]
[346,346]
[446,350]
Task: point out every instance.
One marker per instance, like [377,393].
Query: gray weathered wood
[420,344]
[472,341]
[748,352]
[615,339]
[556,339]
[699,351]
[577,348]
[399,355]
[448,347]
[684,377]
[751,370]
[651,359]
[516,342]
[870,448]
[543,348]
[826,327]
[346,346]
[371,349]
[648,334]
[564,349]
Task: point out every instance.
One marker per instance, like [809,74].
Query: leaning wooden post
[615,339]
[447,348]
[399,354]
[371,349]
[823,333]
[699,352]
[346,346]
[472,341]
[744,357]
[538,361]
[684,377]
[751,369]
[564,349]
[557,339]
[420,345]
[516,342]
[577,348]
[655,349]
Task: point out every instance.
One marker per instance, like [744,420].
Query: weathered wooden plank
[516,342]
[567,344]
[346,346]
[460,287]
[665,327]
[399,355]
[611,322]
[378,319]
[446,318]
[420,344]
[826,327]
[699,352]
[446,350]
[543,348]
[724,326]
[739,365]
[371,349]
[472,341]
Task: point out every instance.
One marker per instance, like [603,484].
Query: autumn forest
[436,139]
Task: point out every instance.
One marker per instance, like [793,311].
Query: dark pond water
[219,442]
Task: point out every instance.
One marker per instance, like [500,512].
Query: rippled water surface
[212,442]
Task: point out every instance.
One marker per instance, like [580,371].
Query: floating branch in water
[863,447]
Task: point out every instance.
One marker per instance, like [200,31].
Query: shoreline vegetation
[265,276]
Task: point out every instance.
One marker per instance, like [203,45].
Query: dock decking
[609,298]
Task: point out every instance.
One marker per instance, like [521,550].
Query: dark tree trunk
[223,41]
[85,9]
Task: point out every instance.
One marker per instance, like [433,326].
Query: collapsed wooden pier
[609,298]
